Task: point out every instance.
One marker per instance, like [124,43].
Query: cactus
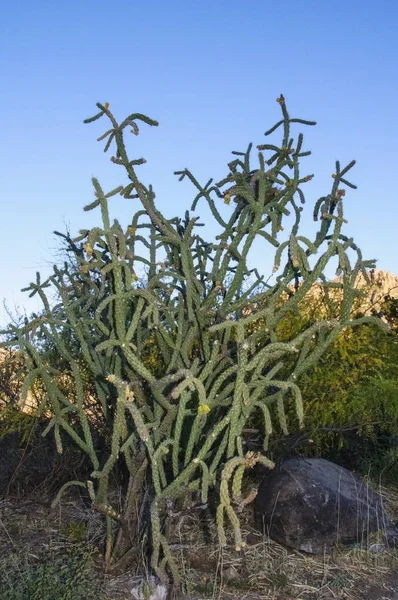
[180,426]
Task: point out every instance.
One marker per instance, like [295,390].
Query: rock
[313,504]
[150,589]
[377,548]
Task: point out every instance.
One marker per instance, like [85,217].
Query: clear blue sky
[210,72]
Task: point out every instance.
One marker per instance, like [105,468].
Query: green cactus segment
[164,344]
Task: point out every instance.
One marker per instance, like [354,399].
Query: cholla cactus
[179,427]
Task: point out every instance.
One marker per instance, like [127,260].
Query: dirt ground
[264,571]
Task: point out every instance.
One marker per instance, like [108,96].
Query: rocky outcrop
[382,284]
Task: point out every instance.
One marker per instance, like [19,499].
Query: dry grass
[263,570]
[268,571]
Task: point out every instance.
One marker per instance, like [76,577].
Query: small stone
[377,548]
[230,574]
[150,589]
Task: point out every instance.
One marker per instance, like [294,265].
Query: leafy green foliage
[351,395]
[379,463]
[348,387]
[13,420]
[173,366]
[67,576]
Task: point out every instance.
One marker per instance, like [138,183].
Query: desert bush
[355,383]
[178,425]
[67,575]
[351,393]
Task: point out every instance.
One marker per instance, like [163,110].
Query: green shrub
[380,464]
[68,576]
[351,395]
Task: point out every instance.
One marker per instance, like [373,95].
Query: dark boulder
[312,505]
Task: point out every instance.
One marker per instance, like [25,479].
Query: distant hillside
[382,284]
